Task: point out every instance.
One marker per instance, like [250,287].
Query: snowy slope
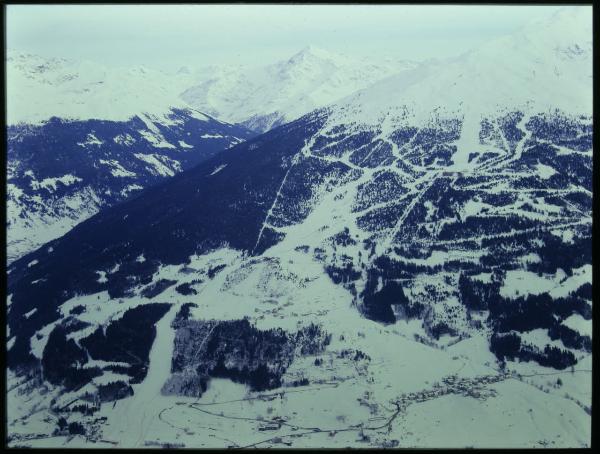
[39,88]
[82,137]
[543,66]
[61,172]
[266,96]
[438,253]
[261,97]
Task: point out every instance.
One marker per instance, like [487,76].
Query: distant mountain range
[259,97]
[263,97]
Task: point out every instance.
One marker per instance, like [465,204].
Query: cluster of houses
[475,387]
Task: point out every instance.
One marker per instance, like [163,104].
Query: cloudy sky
[165,36]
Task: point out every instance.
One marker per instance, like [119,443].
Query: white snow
[545,171]
[522,283]
[117,170]
[565,235]
[39,340]
[90,139]
[156,139]
[108,377]
[287,288]
[284,90]
[137,412]
[578,323]
[29,229]
[39,88]
[50,183]
[159,163]
[130,188]
[30,313]
[124,139]
[509,73]
[493,75]
[483,277]
[473,207]
[218,169]
[114,269]
[539,338]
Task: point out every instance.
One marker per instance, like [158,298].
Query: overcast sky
[174,35]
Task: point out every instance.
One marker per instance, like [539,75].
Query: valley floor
[407,395]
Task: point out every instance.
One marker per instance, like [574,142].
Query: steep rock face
[62,172]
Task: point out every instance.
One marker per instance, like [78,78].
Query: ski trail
[397,152]
[136,414]
[527,135]
[270,212]
[204,342]
[467,143]
[503,161]
[502,235]
[408,210]
[305,151]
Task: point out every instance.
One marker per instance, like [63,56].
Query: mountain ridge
[63,171]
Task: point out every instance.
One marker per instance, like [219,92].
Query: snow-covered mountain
[82,137]
[259,97]
[64,171]
[267,96]
[538,68]
[412,261]
[39,88]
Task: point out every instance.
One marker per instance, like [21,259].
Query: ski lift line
[304,151]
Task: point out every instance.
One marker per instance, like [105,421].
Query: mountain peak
[571,24]
[312,52]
